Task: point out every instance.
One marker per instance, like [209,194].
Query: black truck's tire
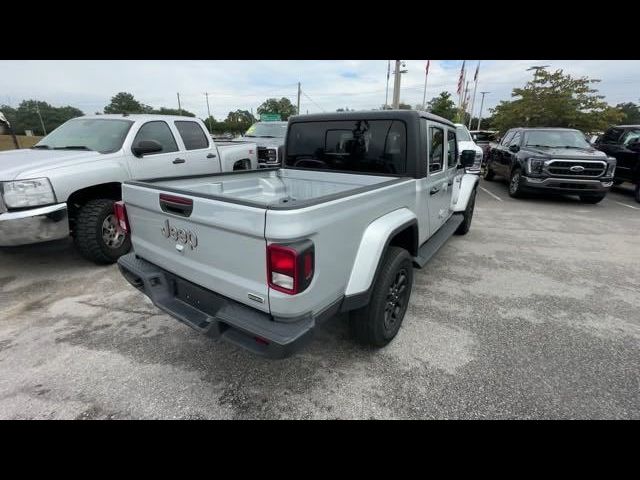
[591,198]
[91,229]
[467,215]
[377,323]
[515,183]
[637,192]
[486,172]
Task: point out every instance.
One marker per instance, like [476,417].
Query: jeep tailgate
[216,244]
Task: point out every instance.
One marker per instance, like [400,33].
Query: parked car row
[564,161]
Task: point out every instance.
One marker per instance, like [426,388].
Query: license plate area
[197,297]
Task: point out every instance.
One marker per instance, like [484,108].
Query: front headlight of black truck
[611,169]
[535,166]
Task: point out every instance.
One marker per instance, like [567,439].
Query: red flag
[427,69]
[461,78]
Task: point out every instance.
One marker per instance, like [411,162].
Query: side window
[436,149]
[507,138]
[515,140]
[630,137]
[611,136]
[192,135]
[160,132]
[452,150]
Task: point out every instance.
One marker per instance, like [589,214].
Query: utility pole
[41,122]
[386,98]
[179,107]
[299,91]
[396,84]
[481,105]
[206,94]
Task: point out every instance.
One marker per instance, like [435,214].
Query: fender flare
[373,246]
[468,185]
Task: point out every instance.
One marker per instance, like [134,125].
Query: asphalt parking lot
[534,314]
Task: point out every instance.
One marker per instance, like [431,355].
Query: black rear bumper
[214,315]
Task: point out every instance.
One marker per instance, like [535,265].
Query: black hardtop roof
[406,115]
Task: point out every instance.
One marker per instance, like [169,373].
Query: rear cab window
[612,135]
[452,149]
[192,135]
[368,146]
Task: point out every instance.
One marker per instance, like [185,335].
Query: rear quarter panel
[336,229]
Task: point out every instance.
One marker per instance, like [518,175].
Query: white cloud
[327,85]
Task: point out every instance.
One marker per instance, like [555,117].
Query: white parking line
[623,204]
[493,195]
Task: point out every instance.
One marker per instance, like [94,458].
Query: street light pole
[396,84]
[206,94]
[41,122]
[481,105]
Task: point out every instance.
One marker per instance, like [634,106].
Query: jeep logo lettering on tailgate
[180,235]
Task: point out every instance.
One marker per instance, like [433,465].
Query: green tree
[555,99]
[443,106]
[173,111]
[631,113]
[284,107]
[124,102]
[26,117]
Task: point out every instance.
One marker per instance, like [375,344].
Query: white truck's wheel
[97,236]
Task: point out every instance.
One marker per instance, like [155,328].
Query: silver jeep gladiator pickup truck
[261,258]
[67,183]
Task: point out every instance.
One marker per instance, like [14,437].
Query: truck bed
[274,189]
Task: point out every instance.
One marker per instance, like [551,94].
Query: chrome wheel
[112,236]
[515,182]
[396,300]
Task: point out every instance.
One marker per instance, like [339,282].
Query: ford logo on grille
[577,168]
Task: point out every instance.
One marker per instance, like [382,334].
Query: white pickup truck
[68,182]
[260,258]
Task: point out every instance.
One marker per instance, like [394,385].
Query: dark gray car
[269,136]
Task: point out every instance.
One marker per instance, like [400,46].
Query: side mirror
[514,148]
[144,147]
[467,158]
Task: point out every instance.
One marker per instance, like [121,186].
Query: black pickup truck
[552,160]
[623,143]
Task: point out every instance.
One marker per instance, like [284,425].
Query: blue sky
[326,84]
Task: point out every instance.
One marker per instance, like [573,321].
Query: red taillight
[120,211]
[290,267]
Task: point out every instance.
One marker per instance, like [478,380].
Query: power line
[305,94]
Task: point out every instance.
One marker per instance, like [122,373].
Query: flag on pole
[475,77]
[461,78]
[427,68]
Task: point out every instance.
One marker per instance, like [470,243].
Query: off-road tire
[487,173]
[367,324]
[88,233]
[591,198]
[467,215]
[515,186]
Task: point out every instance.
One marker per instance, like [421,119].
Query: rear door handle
[211,155]
[179,160]
[434,190]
